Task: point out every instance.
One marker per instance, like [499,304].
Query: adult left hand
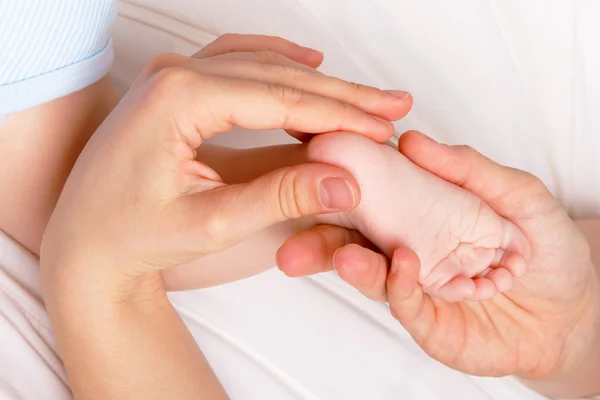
[546,329]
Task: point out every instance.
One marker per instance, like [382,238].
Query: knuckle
[344,108]
[531,180]
[291,200]
[269,57]
[288,74]
[293,74]
[169,92]
[271,69]
[276,91]
[286,95]
[162,61]
[215,230]
[531,186]
[357,88]
[169,81]
[277,39]
[279,65]
[274,42]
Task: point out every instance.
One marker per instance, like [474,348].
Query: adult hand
[165,207]
[545,330]
[290,58]
[137,201]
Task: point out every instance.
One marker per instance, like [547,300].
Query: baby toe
[501,278]
[457,289]
[484,289]
[515,263]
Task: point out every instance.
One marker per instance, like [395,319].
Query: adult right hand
[294,62]
[137,201]
[177,103]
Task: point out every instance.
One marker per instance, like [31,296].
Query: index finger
[204,105]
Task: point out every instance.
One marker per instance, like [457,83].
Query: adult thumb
[231,213]
[510,192]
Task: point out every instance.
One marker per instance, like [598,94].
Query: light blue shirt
[51,48]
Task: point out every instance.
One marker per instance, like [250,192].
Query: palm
[524,331]
[490,338]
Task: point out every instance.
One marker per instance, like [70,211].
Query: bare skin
[137,202]
[546,330]
[467,251]
[39,148]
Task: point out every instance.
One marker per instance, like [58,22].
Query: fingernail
[401,94]
[336,194]
[315,51]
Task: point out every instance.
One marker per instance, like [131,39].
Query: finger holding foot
[311,252]
[408,303]
[364,269]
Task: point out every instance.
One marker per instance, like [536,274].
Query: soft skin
[137,202]
[546,330]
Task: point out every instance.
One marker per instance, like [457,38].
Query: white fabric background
[49,49]
[517,80]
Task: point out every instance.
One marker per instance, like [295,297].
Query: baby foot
[467,251]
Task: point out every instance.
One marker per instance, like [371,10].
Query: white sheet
[269,337]
[517,80]
[30,366]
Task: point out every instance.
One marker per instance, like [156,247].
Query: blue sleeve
[49,49]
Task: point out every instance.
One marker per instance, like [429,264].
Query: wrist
[91,279]
[576,375]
